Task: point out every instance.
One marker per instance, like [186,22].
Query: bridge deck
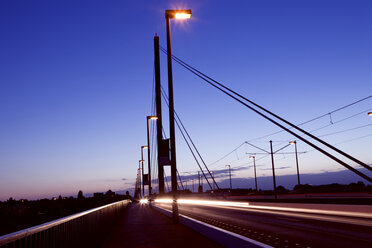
[142,226]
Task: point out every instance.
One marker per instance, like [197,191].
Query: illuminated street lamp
[143,181]
[298,171]
[229,166]
[370,113]
[173,14]
[178,14]
[254,166]
[148,150]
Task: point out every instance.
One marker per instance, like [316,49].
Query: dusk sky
[76,85]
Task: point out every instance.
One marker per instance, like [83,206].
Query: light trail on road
[285,225]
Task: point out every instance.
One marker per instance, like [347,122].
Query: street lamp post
[173,14]
[229,166]
[193,185]
[143,181]
[212,174]
[140,172]
[198,180]
[254,166]
[298,170]
[148,150]
[272,163]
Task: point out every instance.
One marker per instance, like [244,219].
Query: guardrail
[85,229]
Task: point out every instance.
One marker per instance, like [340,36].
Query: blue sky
[76,85]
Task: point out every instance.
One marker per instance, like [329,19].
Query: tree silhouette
[80,195]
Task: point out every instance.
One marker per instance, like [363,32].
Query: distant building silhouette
[109,193]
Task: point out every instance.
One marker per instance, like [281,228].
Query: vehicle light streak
[246,205]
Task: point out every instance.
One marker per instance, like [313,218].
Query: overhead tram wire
[321,116]
[257,159]
[251,153]
[227,154]
[336,110]
[349,140]
[259,148]
[344,119]
[335,122]
[178,120]
[222,87]
[346,130]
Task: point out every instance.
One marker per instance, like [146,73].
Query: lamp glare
[182,16]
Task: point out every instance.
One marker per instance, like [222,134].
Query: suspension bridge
[164,210]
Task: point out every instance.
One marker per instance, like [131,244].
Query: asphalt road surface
[285,229]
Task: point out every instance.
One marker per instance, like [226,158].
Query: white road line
[248,240]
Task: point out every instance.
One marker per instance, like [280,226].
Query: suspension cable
[225,90]
[205,77]
[184,137]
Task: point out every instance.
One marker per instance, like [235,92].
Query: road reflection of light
[248,206]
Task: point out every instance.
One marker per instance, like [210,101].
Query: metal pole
[136,185]
[230,177]
[136,188]
[148,156]
[159,127]
[298,170]
[255,175]
[199,177]
[212,172]
[272,162]
[143,181]
[139,175]
[171,125]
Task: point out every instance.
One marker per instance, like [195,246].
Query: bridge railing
[85,229]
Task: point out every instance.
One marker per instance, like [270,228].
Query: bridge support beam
[159,127]
[171,122]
